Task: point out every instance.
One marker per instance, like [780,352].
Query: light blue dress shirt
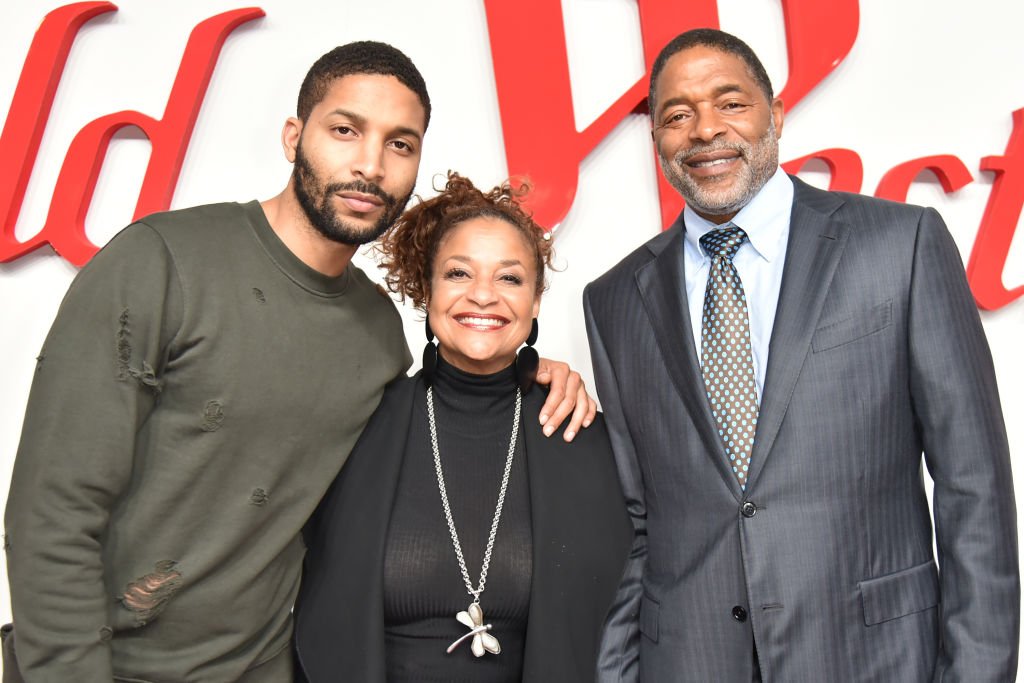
[759,263]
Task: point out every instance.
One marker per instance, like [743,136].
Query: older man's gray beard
[760,161]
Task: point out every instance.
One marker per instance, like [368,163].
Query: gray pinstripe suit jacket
[877,356]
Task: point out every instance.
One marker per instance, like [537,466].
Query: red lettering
[819,35]
[843,164]
[30,109]
[534,91]
[999,222]
[534,95]
[950,171]
[65,223]
[535,99]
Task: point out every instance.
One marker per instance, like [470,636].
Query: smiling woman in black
[421,573]
[540,523]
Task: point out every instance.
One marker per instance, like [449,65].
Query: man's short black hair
[362,57]
[717,40]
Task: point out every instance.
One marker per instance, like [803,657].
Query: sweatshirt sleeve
[98,377]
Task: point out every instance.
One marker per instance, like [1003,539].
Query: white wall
[924,77]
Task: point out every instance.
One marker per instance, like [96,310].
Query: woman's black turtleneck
[423,587]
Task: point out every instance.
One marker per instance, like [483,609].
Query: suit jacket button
[748,509]
[739,614]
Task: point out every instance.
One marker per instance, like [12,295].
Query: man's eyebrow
[727,88]
[411,132]
[357,118]
[361,120]
[671,102]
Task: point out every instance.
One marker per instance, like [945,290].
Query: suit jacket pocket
[897,595]
[649,609]
[835,334]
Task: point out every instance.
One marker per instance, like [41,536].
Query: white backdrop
[924,77]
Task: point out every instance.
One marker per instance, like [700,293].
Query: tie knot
[723,242]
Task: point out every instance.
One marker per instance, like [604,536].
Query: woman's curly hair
[408,249]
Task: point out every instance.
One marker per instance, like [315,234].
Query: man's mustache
[363,187]
[716,146]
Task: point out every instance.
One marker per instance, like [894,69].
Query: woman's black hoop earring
[527,361]
[429,355]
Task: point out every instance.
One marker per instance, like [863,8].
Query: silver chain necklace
[473,616]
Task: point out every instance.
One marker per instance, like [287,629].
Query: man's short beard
[315,199]
[760,161]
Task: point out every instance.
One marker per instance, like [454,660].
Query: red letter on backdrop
[844,165]
[950,171]
[30,109]
[169,137]
[998,224]
[534,90]
[535,99]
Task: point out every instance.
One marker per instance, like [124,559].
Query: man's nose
[707,124]
[369,161]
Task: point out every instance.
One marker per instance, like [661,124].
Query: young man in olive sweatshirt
[204,381]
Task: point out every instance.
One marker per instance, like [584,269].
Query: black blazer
[581,537]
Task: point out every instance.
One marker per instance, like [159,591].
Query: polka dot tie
[725,350]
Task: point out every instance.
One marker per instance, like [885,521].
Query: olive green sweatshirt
[196,395]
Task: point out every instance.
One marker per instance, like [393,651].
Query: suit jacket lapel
[816,243]
[663,290]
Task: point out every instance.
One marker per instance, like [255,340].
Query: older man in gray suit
[772,368]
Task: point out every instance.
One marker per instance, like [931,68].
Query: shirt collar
[765,218]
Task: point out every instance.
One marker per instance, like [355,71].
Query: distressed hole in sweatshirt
[213,416]
[106,633]
[146,376]
[147,596]
[124,345]
[258,293]
[7,542]
[259,497]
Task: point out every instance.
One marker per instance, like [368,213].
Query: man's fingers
[582,415]
[566,406]
[567,398]
[556,376]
